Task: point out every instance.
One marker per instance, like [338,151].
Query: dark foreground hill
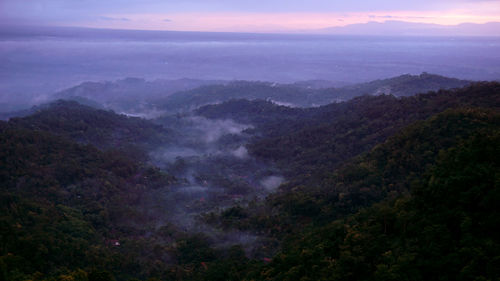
[446,229]
[63,204]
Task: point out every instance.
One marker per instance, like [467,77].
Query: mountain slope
[129,93]
[326,192]
[448,228]
[291,94]
[377,188]
[84,124]
[406,85]
[307,142]
[62,204]
[338,132]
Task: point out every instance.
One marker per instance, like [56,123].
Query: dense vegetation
[63,203]
[447,229]
[387,170]
[378,188]
[87,125]
[312,141]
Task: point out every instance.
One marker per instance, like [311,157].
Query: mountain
[447,223]
[374,216]
[307,143]
[377,187]
[320,84]
[299,96]
[392,28]
[129,93]
[88,125]
[65,206]
[150,99]
[405,85]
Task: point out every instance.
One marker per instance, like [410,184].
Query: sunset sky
[248,16]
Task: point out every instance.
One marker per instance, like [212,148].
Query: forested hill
[88,125]
[151,98]
[406,85]
[447,229]
[291,94]
[63,203]
[310,141]
[129,93]
[375,188]
[389,169]
[310,144]
[422,205]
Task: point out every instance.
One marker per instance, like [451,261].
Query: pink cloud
[284,22]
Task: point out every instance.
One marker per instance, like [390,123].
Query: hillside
[436,175]
[87,125]
[62,204]
[287,94]
[387,170]
[75,185]
[448,227]
[406,85]
[256,110]
[291,94]
[129,94]
[151,99]
[373,188]
[308,142]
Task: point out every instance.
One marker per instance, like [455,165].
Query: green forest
[377,187]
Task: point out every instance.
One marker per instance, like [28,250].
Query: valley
[248,180]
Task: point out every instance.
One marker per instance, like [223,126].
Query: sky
[242,15]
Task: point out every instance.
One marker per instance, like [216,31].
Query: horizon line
[319,31]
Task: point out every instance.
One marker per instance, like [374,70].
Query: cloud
[249,16]
[380,17]
[398,17]
[114,19]
[240,152]
[271,183]
[421,17]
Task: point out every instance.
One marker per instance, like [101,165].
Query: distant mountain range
[129,92]
[134,95]
[392,27]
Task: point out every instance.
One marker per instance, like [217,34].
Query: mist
[36,65]
[214,172]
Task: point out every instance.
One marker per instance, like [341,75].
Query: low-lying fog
[35,65]
[215,172]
